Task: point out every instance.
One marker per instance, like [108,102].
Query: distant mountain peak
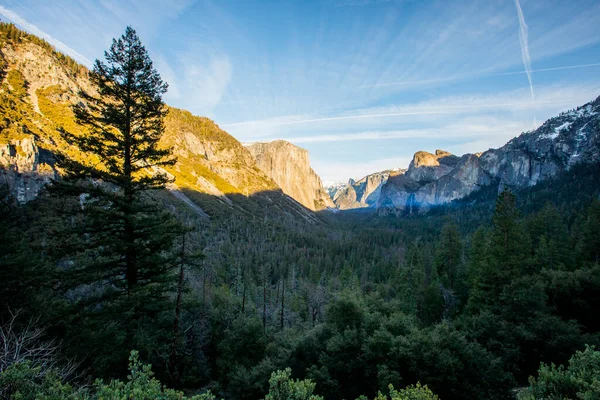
[362,193]
[571,137]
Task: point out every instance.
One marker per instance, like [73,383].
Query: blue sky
[361,84]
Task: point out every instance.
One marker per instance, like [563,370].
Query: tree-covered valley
[136,234]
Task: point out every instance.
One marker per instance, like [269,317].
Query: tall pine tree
[118,242]
[507,255]
[448,256]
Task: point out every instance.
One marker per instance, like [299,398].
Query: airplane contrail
[304,121]
[549,69]
[438,111]
[524,41]
[476,76]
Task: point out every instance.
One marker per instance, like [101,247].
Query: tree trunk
[282,304]
[244,299]
[173,356]
[130,256]
[265,303]
[131,268]
[204,284]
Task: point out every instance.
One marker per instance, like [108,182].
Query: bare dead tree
[26,343]
[315,299]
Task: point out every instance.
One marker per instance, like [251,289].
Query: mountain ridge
[362,193]
[39,86]
[438,178]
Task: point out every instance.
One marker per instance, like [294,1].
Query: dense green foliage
[412,392]
[281,387]
[24,382]
[362,302]
[580,380]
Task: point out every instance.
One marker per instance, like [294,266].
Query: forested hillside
[265,299]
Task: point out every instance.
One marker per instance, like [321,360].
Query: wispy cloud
[548,69]
[195,84]
[284,121]
[340,171]
[467,128]
[413,82]
[473,76]
[433,115]
[15,18]
[412,110]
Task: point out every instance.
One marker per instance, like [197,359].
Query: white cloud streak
[324,119]
[195,83]
[387,135]
[412,82]
[472,76]
[432,111]
[341,171]
[549,69]
[480,127]
[17,19]
[524,41]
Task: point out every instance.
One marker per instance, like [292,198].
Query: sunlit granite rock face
[432,179]
[289,167]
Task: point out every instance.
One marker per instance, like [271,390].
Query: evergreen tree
[411,280]
[449,255]
[589,245]
[579,380]
[187,260]
[550,239]
[118,240]
[508,255]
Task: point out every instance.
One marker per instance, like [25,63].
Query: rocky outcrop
[209,159]
[362,193]
[333,188]
[22,167]
[425,185]
[439,178]
[427,167]
[41,68]
[289,167]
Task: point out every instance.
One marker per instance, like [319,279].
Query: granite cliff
[289,167]
[432,179]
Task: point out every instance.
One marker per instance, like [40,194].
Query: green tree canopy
[118,241]
[579,380]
